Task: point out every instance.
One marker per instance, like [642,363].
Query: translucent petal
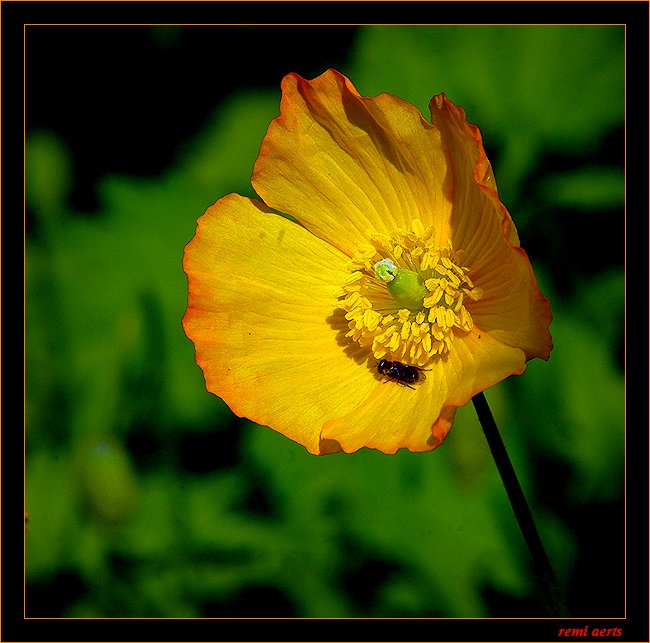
[262,317]
[511,308]
[395,416]
[344,165]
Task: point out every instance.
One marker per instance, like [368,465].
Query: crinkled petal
[261,313]
[395,416]
[345,165]
[512,308]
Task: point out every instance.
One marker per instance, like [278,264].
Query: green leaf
[587,188]
[48,174]
[107,479]
[575,406]
[446,540]
[52,501]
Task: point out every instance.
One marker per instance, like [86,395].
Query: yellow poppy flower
[399,294]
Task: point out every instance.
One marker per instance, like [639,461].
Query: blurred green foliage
[113,395]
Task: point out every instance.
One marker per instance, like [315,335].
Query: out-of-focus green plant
[534,89]
[273,531]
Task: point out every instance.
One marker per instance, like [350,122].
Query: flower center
[405,298]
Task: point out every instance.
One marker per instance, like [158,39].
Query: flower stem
[540,560]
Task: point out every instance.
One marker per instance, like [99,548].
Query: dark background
[124,101]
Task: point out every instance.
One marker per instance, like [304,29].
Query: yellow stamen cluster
[413,335]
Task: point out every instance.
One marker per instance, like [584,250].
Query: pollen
[405,298]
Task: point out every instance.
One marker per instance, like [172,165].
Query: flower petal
[344,165]
[512,308]
[395,416]
[262,296]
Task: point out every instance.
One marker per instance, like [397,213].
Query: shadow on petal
[328,446]
[339,323]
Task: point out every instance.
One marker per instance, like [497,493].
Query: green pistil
[408,289]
